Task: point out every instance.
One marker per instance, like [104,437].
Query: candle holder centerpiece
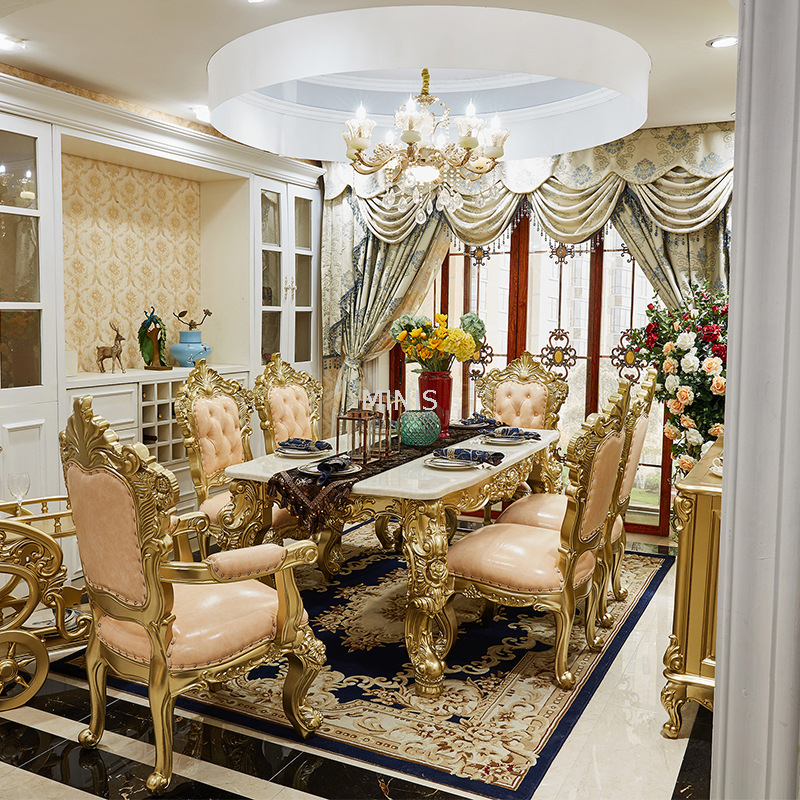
[364,434]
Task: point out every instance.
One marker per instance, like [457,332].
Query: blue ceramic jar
[189,349]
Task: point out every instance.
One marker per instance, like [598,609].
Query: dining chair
[214,416]
[547,510]
[551,569]
[288,403]
[525,394]
[175,625]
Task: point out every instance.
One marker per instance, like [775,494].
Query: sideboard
[690,658]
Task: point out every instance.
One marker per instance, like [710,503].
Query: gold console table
[690,658]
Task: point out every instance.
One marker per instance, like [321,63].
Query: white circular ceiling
[557,84]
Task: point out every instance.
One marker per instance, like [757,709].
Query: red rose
[651,341]
[715,309]
[652,327]
[720,351]
[724,309]
[711,333]
[650,306]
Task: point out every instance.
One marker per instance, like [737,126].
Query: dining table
[423,500]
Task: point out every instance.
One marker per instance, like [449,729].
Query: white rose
[671,383]
[694,437]
[685,340]
[690,363]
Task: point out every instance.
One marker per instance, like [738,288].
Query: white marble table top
[413,480]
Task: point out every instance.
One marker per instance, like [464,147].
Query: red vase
[437,388]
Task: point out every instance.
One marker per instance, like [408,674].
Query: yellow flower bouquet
[434,345]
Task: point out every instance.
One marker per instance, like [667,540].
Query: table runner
[313,504]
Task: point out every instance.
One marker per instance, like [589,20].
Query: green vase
[418,428]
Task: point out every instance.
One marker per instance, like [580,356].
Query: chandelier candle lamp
[425,151]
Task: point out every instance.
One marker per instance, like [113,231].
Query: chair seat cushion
[521,558]
[212,623]
[212,507]
[543,510]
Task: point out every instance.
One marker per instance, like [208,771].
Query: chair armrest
[180,527]
[242,564]
[246,562]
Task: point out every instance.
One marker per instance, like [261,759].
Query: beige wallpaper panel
[131,241]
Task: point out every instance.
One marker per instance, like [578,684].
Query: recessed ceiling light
[12,43]
[203,113]
[722,41]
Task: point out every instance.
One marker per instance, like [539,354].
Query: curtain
[667,191]
[366,284]
[670,260]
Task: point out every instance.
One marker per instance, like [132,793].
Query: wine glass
[18,485]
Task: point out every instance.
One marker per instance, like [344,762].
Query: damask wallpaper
[131,241]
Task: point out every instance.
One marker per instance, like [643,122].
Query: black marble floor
[694,779]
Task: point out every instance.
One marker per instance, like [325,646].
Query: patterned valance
[682,177]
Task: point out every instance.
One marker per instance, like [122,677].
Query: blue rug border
[439,777]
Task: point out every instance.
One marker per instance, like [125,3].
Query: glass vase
[418,428]
[436,391]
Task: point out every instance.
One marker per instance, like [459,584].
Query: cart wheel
[24,665]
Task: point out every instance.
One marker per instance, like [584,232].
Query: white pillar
[757,696]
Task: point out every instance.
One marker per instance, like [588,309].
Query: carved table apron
[424,501]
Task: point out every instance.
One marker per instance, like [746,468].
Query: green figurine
[153,341]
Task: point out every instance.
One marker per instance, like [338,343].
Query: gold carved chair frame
[90,446]
[595,430]
[278,374]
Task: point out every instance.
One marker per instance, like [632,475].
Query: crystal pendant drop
[415,195]
[420,216]
[429,206]
[391,198]
[403,204]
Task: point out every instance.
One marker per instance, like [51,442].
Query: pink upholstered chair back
[105,528]
[291,415]
[218,431]
[593,458]
[288,403]
[121,503]
[214,415]
[639,419]
[522,405]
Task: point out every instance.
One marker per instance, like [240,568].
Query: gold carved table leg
[329,542]
[425,542]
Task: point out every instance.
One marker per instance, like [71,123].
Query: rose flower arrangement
[688,348]
[433,345]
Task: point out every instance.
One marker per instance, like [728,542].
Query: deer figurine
[111,351]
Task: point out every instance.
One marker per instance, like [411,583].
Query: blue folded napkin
[480,419]
[465,454]
[328,468]
[305,444]
[515,433]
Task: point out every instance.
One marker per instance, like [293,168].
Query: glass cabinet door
[23,320]
[289,245]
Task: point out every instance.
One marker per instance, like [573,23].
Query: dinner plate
[437,462]
[504,440]
[288,453]
[468,426]
[313,469]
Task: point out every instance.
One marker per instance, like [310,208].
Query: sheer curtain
[366,284]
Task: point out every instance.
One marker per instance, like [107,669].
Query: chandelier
[424,152]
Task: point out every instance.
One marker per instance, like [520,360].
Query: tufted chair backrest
[217,420]
[121,503]
[524,394]
[214,415]
[287,402]
[291,415]
[522,405]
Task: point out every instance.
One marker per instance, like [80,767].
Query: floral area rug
[500,720]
